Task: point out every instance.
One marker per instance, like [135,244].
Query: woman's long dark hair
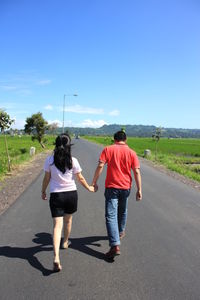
[62,153]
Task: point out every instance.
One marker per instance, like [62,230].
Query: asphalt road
[160,255]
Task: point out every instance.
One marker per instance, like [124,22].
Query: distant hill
[135,130]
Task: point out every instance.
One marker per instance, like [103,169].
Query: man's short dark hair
[120,136]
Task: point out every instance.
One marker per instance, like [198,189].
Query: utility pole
[63,114]
[75,95]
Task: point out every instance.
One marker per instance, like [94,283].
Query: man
[120,159]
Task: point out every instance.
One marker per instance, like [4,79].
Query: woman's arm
[84,183]
[45,183]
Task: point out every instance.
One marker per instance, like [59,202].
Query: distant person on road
[120,159]
[60,169]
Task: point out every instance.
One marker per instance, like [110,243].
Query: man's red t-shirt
[120,159]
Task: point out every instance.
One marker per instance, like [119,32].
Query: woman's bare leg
[67,229]
[57,231]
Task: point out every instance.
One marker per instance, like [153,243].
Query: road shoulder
[20,178]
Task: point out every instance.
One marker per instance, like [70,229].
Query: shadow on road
[45,244]
[43,239]
[84,245]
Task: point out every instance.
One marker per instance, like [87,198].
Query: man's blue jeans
[116,203]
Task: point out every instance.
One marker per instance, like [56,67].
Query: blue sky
[130,62]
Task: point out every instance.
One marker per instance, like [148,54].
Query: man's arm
[138,182]
[97,173]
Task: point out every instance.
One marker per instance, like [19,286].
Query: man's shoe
[114,251]
[122,235]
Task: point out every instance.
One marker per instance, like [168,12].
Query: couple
[60,170]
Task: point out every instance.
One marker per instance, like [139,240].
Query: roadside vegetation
[36,125]
[19,150]
[179,155]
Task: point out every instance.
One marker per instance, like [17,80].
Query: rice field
[179,155]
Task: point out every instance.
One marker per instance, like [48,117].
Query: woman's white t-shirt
[60,182]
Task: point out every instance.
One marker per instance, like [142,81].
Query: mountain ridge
[135,130]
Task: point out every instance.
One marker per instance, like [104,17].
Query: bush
[23,150]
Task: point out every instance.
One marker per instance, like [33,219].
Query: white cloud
[55,121]
[78,109]
[48,107]
[24,92]
[69,123]
[23,82]
[6,105]
[93,124]
[8,87]
[44,82]
[19,112]
[18,88]
[18,123]
[114,113]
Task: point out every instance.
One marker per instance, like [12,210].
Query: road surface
[160,255]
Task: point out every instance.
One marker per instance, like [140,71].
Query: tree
[5,120]
[156,137]
[36,126]
[5,123]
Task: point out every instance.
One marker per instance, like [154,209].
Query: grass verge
[179,155]
[19,151]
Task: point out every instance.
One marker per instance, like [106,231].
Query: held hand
[93,188]
[96,187]
[44,196]
[138,196]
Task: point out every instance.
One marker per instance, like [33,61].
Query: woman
[60,169]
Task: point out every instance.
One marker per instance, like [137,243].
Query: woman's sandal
[57,267]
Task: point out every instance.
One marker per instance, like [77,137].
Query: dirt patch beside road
[20,178]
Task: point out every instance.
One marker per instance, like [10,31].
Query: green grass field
[19,150]
[179,155]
